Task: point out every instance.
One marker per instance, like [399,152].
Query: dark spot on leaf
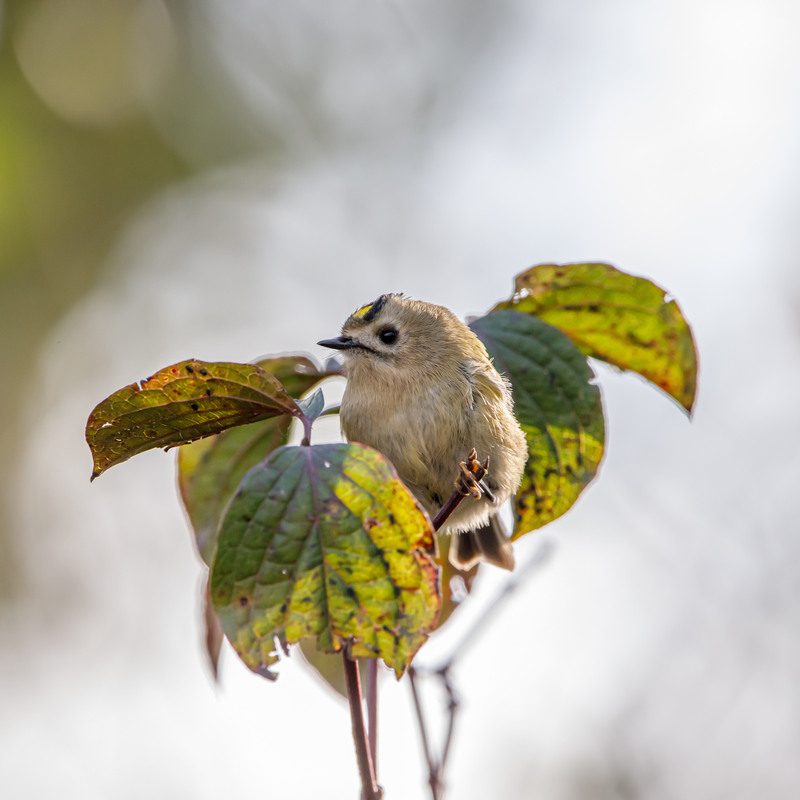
[388,630]
[243,601]
[350,592]
[284,606]
[208,392]
[397,590]
[392,520]
[204,372]
[195,407]
[189,369]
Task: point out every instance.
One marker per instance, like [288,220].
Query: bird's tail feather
[489,543]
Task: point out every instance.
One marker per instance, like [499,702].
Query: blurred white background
[329,153]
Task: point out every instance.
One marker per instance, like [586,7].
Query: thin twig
[541,555]
[436,769]
[372,711]
[447,509]
[452,707]
[369,787]
[433,769]
[470,483]
[307,423]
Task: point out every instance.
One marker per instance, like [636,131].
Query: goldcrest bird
[422,390]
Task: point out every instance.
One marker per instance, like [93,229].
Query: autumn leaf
[619,318]
[558,407]
[179,404]
[209,470]
[325,542]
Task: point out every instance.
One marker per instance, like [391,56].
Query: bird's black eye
[388,335]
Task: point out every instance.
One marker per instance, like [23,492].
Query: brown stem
[470,482]
[369,787]
[447,509]
[452,707]
[473,471]
[433,769]
[436,769]
[307,423]
[372,711]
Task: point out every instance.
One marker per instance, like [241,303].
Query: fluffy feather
[422,390]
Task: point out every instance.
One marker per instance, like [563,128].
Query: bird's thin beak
[339,343]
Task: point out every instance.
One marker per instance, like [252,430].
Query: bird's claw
[470,481]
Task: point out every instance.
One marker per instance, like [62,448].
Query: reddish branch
[469,483]
[369,786]
[372,711]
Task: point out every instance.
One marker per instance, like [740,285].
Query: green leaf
[213,629]
[312,405]
[325,542]
[297,373]
[557,406]
[209,470]
[329,667]
[179,404]
[622,319]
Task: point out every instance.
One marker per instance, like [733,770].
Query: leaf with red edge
[619,318]
[326,542]
[209,471]
[179,404]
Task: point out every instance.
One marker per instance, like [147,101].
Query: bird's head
[399,334]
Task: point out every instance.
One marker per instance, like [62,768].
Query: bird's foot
[470,482]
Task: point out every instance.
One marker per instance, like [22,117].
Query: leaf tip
[399,670]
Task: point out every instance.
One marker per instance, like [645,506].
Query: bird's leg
[470,482]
